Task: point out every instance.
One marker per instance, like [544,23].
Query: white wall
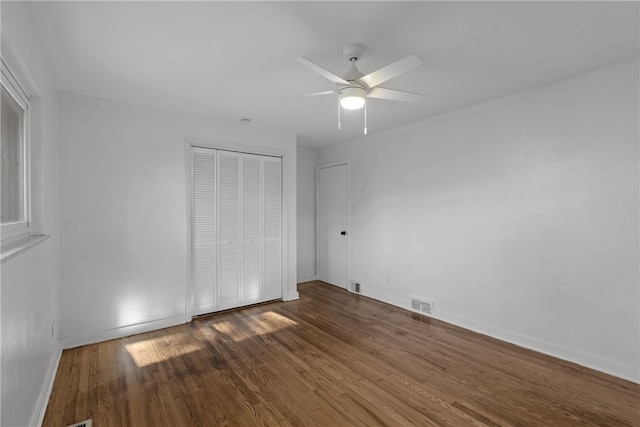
[29,281]
[519,217]
[123,218]
[306,214]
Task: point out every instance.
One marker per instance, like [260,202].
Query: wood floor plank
[331,358]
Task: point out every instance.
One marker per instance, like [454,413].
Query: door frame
[346,163]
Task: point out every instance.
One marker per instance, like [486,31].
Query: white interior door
[332,224]
[251,229]
[272,242]
[229,245]
[204,239]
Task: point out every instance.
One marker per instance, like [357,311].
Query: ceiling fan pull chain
[365,118]
[339,127]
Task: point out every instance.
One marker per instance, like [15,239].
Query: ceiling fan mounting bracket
[353,51]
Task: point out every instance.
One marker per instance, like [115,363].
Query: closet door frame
[244,149]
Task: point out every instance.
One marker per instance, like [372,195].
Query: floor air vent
[422,305]
[87,423]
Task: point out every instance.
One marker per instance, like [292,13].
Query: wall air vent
[422,305]
[355,287]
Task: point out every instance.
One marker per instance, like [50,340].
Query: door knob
[344,233]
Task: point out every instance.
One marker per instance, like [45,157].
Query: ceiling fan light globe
[352,98]
[352,102]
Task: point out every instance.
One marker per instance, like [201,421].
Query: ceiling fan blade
[324,92]
[395,95]
[324,73]
[390,71]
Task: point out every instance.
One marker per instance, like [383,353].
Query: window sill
[16,250]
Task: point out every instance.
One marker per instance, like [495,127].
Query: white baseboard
[610,367]
[124,331]
[308,279]
[43,399]
[616,369]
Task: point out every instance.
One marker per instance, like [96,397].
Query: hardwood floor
[331,358]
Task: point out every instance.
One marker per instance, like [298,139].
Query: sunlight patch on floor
[278,319]
[261,324]
[225,327]
[158,350]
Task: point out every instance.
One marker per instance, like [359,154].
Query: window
[14,169]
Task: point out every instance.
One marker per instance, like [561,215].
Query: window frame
[15,233]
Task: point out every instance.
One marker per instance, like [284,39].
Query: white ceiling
[233,59]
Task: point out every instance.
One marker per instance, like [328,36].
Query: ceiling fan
[354,87]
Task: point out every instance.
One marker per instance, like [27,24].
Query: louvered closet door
[203,231]
[229,230]
[235,230]
[272,247]
[251,229]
